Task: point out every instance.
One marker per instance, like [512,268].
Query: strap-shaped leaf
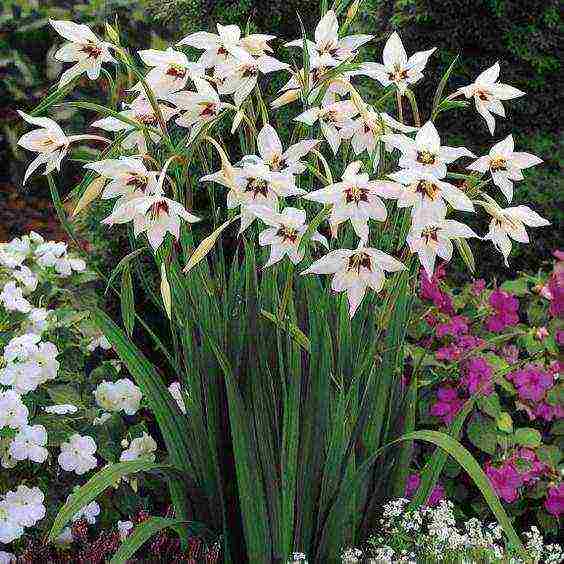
[102,480]
[144,531]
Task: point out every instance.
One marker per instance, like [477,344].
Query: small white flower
[124,529]
[488,94]
[435,239]
[175,390]
[61,409]
[26,278]
[77,455]
[37,320]
[331,118]
[238,75]
[273,155]
[13,300]
[428,195]
[355,271]
[128,177]
[101,419]
[29,444]
[197,108]
[425,152]
[397,68]
[140,447]
[13,412]
[284,234]
[505,165]
[7,557]
[366,131]
[170,71]
[509,223]
[21,348]
[65,538]
[328,48]
[356,198]
[26,505]
[142,113]
[82,47]
[54,254]
[89,513]
[122,395]
[10,529]
[50,142]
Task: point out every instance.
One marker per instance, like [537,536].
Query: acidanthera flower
[142,113]
[82,48]
[77,455]
[505,165]
[355,271]
[50,142]
[285,233]
[152,213]
[397,68]
[328,49]
[435,239]
[254,184]
[238,75]
[217,46]
[330,118]
[366,131]
[29,444]
[425,152]
[355,198]
[170,71]
[488,94]
[428,195]
[509,223]
[128,177]
[198,108]
[273,155]
[26,505]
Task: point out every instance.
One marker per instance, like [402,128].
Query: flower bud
[288,97]
[112,33]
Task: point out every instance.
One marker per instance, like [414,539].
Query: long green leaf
[127,301]
[144,531]
[102,480]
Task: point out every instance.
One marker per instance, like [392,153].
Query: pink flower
[458,325]
[448,404]
[478,286]
[536,467]
[548,412]
[429,290]
[510,353]
[414,481]
[554,503]
[478,376]
[541,333]
[505,314]
[531,382]
[505,481]
[560,337]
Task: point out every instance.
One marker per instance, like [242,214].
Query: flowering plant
[491,369]
[286,388]
[63,410]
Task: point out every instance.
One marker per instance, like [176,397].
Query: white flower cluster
[229,67]
[122,395]
[432,535]
[20,509]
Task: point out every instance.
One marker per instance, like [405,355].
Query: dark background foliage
[523,35]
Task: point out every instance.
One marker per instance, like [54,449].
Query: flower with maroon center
[435,239]
[488,94]
[427,195]
[425,153]
[355,270]
[82,48]
[505,165]
[355,198]
[397,68]
[284,233]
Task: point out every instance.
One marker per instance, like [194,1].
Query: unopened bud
[237,121]
[112,33]
[352,11]
[288,97]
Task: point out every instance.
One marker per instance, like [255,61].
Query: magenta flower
[554,503]
[429,290]
[531,382]
[478,376]
[506,308]
[448,404]
[510,353]
[548,412]
[414,481]
[456,326]
[478,286]
[536,467]
[505,481]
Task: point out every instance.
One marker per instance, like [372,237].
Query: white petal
[269,143]
[525,160]
[489,76]
[527,216]
[428,139]
[327,29]
[394,52]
